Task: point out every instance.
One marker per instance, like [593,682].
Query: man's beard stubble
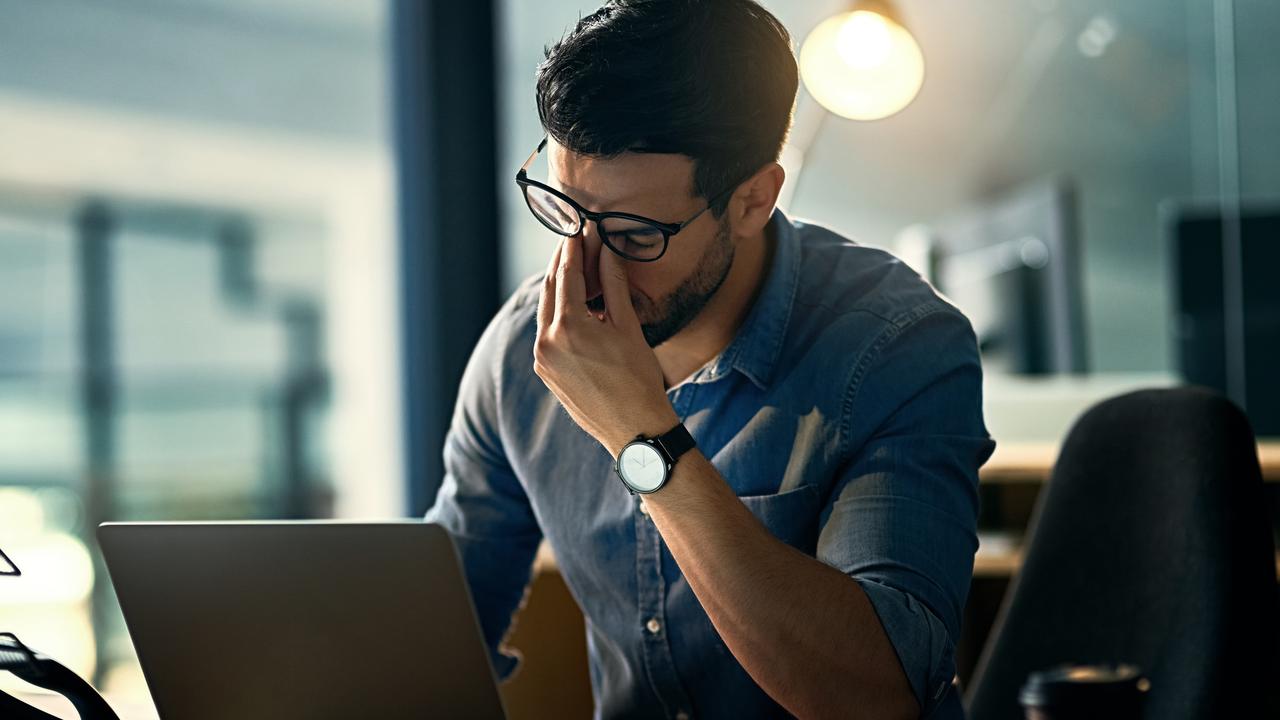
[688,300]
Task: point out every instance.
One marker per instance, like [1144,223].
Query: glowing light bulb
[862,65]
[864,40]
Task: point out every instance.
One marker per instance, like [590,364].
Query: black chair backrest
[1150,545]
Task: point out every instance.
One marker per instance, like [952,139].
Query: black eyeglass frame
[667,229]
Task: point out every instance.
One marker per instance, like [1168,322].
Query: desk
[1030,463]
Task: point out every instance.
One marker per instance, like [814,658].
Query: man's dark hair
[714,80]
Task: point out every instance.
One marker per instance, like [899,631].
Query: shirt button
[644,509]
[653,626]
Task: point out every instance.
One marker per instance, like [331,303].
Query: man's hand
[600,368]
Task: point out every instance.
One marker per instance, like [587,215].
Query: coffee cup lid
[1084,686]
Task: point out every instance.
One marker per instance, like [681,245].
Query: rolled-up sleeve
[481,502]
[902,516]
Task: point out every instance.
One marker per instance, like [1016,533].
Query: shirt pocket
[791,516]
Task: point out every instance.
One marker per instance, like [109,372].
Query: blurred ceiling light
[862,64]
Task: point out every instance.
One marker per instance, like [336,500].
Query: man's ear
[753,202]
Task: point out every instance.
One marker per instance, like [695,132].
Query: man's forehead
[657,180]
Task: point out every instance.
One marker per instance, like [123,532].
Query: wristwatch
[645,463]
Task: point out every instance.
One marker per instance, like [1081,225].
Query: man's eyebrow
[588,200]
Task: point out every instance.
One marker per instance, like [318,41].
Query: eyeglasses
[634,237]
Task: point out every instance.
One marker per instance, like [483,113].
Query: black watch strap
[675,442]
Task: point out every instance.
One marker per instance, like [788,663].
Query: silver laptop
[301,620]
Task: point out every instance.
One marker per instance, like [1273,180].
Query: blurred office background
[246,246]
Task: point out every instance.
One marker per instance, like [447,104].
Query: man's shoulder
[842,280]
[524,300]
[518,315]
[501,363]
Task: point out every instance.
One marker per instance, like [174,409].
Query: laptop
[302,619]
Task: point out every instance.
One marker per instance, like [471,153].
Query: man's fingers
[571,286]
[616,288]
[546,303]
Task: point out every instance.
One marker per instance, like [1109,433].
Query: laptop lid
[304,619]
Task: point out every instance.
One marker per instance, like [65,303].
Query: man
[795,419]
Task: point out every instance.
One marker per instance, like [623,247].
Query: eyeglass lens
[629,238]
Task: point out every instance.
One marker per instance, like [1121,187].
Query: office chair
[1150,545]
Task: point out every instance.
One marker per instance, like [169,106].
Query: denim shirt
[846,414]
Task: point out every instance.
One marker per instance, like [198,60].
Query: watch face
[642,467]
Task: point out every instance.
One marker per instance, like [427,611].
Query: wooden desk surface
[1031,462]
[1014,462]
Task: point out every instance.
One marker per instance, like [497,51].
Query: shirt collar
[754,350]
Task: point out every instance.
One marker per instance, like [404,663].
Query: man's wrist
[648,424]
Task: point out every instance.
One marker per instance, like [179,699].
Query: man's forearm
[804,631]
